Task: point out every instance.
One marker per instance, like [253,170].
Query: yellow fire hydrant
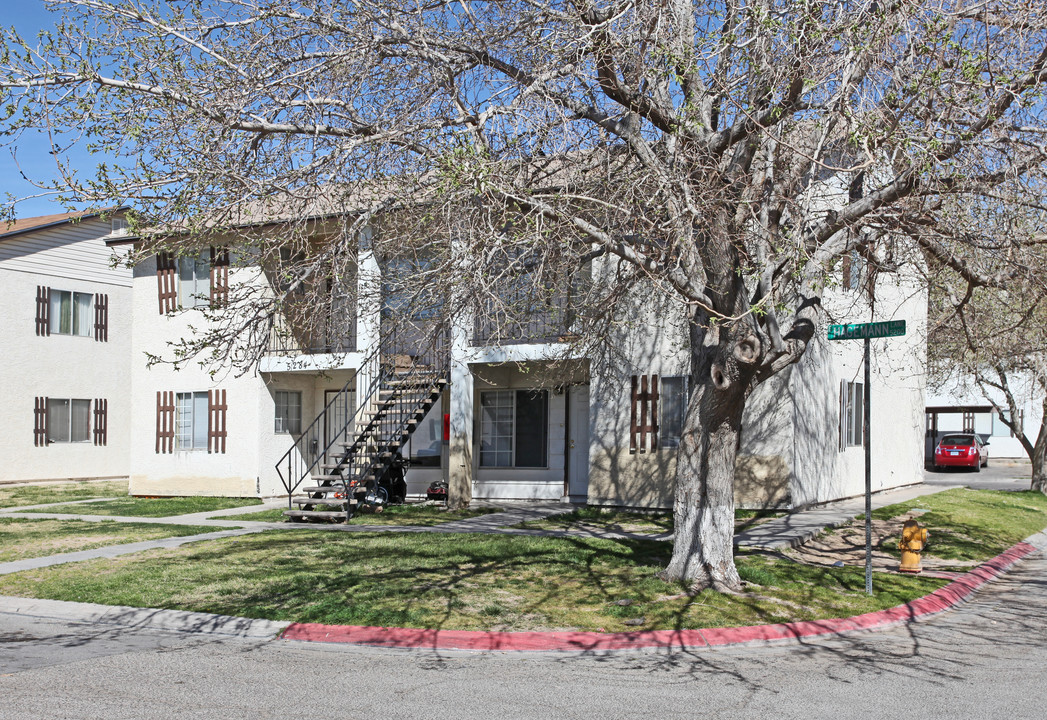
[913,539]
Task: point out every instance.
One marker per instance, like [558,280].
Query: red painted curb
[943,599]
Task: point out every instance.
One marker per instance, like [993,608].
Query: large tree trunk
[722,362]
[1039,451]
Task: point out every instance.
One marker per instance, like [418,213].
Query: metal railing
[331,337]
[312,446]
[394,390]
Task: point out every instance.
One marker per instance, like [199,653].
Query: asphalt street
[985,659]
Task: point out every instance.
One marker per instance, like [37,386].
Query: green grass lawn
[20,495]
[415,515]
[153,507]
[456,582]
[972,525]
[22,538]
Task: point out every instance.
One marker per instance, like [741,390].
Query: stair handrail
[371,374]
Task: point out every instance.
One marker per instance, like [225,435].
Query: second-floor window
[72,313]
[194,280]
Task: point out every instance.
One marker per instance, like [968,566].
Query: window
[427,439]
[852,270]
[999,427]
[852,415]
[71,313]
[288,412]
[68,420]
[191,421]
[514,428]
[194,280]
[674,398]
[119,225]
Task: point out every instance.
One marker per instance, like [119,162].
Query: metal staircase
[333,483]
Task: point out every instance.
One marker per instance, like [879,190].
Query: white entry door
[578,442]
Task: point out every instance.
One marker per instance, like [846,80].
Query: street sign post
[866,332]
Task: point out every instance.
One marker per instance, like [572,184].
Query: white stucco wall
[71,257]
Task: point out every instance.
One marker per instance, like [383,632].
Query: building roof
[24,225]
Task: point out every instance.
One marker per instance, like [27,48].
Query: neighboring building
[958,405]
[65,349]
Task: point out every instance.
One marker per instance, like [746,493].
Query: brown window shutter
[219,275]
[167,282]
[643,414]
[644,397]
[632,416]
[40,422]
[654,413]
[165,416]
[845,268]
[43,310]
[101,421]
[216,430]
[101,317]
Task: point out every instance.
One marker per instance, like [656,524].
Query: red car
[964,450]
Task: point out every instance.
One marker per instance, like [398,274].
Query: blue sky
[29,17]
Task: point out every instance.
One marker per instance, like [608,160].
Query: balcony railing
[336,336]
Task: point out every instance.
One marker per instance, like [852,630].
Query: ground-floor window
[191,421]
[288,412]
[673,405]
[68,420]
[514,428]
[427,439]
[852,397]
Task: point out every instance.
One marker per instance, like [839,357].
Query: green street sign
[862,331]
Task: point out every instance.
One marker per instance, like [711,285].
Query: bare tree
[720,154]
[997,337]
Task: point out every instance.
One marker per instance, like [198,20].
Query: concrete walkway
[799,527]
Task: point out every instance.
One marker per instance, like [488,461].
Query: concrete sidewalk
[799,527]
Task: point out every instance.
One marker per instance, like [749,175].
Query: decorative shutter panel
[40,422]
[219,275]
[101,431]
[646,397]
[43,311]
[632,415]
[216,412]
[165,416]
[843,415]
[101,317]
[654,413]
[167,282]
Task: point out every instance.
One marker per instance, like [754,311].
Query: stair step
[315,514]
[340,502]
[322,489]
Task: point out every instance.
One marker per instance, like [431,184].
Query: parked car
[961,450]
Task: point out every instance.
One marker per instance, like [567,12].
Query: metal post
[868,475]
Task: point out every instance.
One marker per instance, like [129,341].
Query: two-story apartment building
[525,417]
[520,416]
[65,349]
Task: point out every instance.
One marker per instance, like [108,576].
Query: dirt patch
[846,545]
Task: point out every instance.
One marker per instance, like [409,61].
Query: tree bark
[1039,450]
[723,360]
